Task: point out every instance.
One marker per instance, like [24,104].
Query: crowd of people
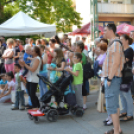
[113,54]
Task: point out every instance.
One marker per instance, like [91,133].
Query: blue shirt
[132,46]
[25,58]
[4,44]
[2,82]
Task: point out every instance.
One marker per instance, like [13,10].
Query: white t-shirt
[32,76]
[22,84]
[11,84]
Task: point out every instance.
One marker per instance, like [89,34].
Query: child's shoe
[22,108]
[15,108]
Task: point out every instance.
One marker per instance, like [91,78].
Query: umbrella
[85,30]
[124,28]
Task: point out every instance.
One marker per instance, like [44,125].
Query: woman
[44,42]
[101,100]
[8,56]
[59,60]
[2,49]
[42,85]
[57,45]
[32,78]
[126,97]
[38,42]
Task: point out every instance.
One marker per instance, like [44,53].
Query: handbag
[127,75]
[125,87]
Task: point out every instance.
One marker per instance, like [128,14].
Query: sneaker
[27,105]
[22,108]
[15,108]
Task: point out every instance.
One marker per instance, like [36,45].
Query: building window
[106,1]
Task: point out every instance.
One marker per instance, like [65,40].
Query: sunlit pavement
[17,122]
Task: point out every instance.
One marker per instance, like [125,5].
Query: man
[111,71]
[132,36]
[3,41]
[84,41]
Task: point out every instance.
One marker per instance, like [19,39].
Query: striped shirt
[115,54]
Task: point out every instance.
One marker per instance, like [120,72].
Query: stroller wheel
[36,119]
[30,116]
[79,112]
[52,115]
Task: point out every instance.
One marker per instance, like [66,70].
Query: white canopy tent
[21,24]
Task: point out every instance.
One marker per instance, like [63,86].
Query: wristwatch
[109,79]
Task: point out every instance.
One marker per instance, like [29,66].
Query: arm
[8,56]
[51,53]
[29,58]
[34,67]
[45,59]
[61,68]
[71,72]
[2,93]
[9,92]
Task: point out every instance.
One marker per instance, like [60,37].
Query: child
[53,75]
[77,77]
[3,81]
[18,88]
[7,92]
[27,55]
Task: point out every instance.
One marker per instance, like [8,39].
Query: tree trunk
[1,10]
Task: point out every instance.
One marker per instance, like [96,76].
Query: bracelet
[109,79]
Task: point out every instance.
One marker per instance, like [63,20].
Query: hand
[108,83]
[133,70]
[50,69]
[102,83]
[22,63]
[67,69]
[47,49]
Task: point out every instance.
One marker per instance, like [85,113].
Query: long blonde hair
[59,56]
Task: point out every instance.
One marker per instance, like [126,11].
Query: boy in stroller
[57,90]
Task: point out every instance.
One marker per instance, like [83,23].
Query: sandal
[130,118]
[112,132]
[122,115]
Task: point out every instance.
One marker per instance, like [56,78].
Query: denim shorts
[112,95]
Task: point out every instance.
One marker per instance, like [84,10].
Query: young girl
[8,56]
[3,81]
[8,93]
[59,60]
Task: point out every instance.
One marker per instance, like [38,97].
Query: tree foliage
[59,12]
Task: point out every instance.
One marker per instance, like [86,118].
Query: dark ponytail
[38,52]
[126,37]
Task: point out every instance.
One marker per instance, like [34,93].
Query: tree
[59,12]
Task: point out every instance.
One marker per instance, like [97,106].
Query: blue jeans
[112,95]
[19,98]
[29,99]
[42,86]
[127,102]
[87,86]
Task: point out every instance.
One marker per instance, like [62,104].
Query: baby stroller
[59,108]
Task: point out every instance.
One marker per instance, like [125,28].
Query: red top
[49,57]
[21,48]
[85,47]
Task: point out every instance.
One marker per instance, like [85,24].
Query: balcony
[115,8]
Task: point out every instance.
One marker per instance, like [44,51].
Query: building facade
[109,11]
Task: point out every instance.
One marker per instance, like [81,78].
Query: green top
[78,79]
[84,59]
[18,82]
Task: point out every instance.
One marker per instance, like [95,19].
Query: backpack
[88,72]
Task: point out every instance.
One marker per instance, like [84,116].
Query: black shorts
[84,91]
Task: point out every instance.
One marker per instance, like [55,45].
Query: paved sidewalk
[17,122]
